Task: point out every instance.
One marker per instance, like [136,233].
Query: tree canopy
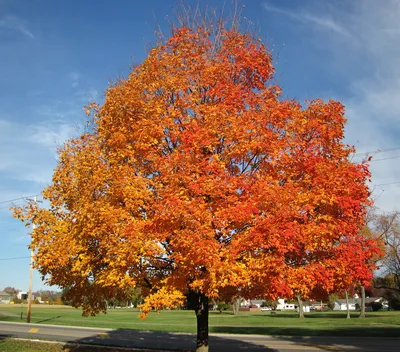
[199,180]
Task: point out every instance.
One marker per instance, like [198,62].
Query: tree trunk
[362,313]
[201,310]
[347,304]
[236,306]
[301,310]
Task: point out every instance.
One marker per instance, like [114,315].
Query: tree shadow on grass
[318,315]
[165,341]
[353,331]
[3,337]
[49,319]
[346,343]
[129,338]
[363,338]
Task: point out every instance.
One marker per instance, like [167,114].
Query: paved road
[186,342]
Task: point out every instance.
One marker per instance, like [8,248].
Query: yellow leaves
[93,106]
[164,298]
[196,175]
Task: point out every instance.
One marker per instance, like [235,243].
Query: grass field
[15,345]
[283,323]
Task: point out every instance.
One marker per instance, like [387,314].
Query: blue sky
[56,56]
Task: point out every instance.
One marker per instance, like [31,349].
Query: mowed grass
[283,323]
[15,345]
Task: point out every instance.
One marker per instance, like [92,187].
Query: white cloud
[52,136]
[28,152]
[87,96]
[16,24]
[373,108]
[74,78]
[363,44]
[306,17]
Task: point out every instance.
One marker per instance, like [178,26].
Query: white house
[251,302]
[283,305]
[354,303]
[22,295]
[340,304]
[5,298]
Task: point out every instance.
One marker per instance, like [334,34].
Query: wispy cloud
[74,78]
[14,23]
[28,152]
[304,16]
[361,45]
[53,135]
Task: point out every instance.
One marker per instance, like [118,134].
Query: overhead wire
[390,157]
[377,151]
[16,199]
[13,258]
[387,184]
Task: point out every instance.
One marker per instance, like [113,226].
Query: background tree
[331,300]
[64,298]
[386,287]
[197,176]
[387,227]
[12,291]
[135,296]
[231,295]
[47,295]
[270,303]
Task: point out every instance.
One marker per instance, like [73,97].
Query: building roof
[358,300]
[2,293]
[256,301]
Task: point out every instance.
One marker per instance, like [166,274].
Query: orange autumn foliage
[198,176]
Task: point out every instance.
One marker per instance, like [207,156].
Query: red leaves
[197,175]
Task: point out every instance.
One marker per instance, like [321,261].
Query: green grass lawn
[283,323]
[15,345]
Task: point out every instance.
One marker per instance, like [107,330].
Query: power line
[15,199]
[8,206]
[390,157]
[13,258]
[377,151]
[387,184]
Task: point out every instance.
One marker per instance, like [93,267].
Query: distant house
[284,305]
[5,298]
[354,303]
[24,295]
[307,306]
[39,299]
[255,303]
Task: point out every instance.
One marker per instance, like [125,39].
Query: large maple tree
[198,180]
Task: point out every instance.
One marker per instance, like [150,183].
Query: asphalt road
[186,342]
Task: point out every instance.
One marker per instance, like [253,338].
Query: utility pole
[28,313]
